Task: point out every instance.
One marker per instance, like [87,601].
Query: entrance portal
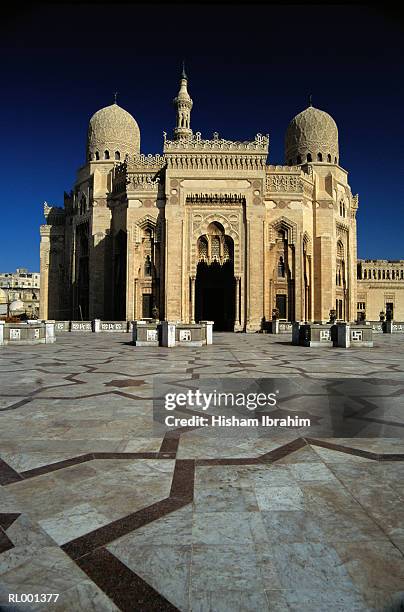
[215,290]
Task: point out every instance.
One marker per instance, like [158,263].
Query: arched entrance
[215,285]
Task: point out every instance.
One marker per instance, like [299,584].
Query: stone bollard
[388,329]
[275,326]
[168,334]
[96,325]
[2,323]
[209,331]
[295,333]
[343,335]
[50,335]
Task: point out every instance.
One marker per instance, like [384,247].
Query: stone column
[237,305]
[168,334]
[209,331]
[96,325]
[192,313]
[50,332]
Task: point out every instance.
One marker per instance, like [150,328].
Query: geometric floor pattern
[98,506]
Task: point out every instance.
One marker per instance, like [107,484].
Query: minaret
[183,104]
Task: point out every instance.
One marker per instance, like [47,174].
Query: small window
[97,155]
[106,155]
[117,155]
[147,266]
[335,160]
[281,268]
[309,159]
[319,157]
[329,158]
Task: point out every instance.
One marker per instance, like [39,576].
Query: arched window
[309,159]
[299,159]
[106,155]
[319,157]
[365,274]
[379,274]
[202,249]
[117,155]
[329,158]
[281,268]
[335,160]
[97,155]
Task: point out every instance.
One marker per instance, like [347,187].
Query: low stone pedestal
[41,332]
[315,334]
[361,335]
[145,333]
[193,334]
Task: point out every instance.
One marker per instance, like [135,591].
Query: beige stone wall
[151,205]
[380,282]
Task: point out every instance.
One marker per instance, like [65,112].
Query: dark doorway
[147,306]
[215,290]
[281,305]
[120,276]
[83,280]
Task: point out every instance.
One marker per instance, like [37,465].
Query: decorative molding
[283,224]
[284,182]
[195,142]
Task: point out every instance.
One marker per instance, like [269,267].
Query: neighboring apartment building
[20,286]
[380,286]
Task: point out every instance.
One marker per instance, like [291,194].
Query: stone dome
[312,136]
[16,305]
[112,134]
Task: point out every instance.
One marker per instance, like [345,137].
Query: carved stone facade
[380,288]
[207,230]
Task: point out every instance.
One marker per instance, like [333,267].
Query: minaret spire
[183,104]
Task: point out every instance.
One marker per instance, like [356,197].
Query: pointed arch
[285,225]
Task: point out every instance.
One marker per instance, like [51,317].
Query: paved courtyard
[102,506]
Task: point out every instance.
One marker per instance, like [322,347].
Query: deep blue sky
[250,70]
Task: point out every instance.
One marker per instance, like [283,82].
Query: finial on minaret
[183,104]
[310,100]
[115,96]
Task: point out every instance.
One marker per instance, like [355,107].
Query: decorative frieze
[196,142]
[214,198]
[284,182]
